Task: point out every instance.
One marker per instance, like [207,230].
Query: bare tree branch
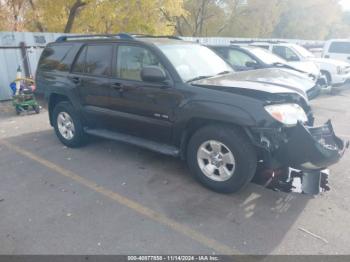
[73,12]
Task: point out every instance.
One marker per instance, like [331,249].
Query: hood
[307,67]
[269,80]
[330,61]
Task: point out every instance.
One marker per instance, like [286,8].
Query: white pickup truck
[336,72]
[338,49]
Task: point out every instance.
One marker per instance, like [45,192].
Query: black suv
[180,99]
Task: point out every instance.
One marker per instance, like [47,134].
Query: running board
[134,140]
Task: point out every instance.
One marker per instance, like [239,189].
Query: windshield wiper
[224,72]
[280,64]
[287,66]
[197,78]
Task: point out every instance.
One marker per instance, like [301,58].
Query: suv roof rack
[118,36]
[156,36]
[256,41]
[124,36]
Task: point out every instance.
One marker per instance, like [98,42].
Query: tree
[308,19]
[44,15]
[253,18]
[73,11]
[341,29]
[104,16]
[36,17]
[201,19]
[3,17]
[14,12]
[146,16]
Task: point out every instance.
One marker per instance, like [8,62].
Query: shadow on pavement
[252,221]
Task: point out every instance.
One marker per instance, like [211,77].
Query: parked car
[338,49]
[181,99]
[336,72]
[306,75]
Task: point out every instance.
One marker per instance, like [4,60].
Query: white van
[338,49]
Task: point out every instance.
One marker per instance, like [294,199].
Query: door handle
[118,86]
[75,79]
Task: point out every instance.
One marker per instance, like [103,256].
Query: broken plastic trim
[291,180]
[308,151]
[311,148]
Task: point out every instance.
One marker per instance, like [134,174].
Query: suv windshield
[193,61]
[266,56]
[302,51]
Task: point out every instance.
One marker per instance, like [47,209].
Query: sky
[345,4]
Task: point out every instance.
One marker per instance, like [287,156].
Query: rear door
[142,108]
[91,74]
[339,50]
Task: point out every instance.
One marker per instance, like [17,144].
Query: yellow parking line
[139,208]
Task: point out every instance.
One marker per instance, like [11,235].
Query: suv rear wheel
[221,158]
[67,125]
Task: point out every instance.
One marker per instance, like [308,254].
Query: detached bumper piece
[292,180]
[311,148]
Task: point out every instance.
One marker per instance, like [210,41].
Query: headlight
[341,70]
[288,114]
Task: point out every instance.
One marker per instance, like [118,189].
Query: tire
[231,140]
[328,77]
[36,108]
[71,120]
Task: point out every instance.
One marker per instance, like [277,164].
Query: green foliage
[52,16]
[308,19]
[107,16]
[146,16]
[256,18]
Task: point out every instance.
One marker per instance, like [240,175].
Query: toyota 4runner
[181,99]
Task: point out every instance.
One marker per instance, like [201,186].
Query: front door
[144,109]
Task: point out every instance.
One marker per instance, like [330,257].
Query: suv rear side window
[131,60]
[95,60]
[57,57]
[340,48]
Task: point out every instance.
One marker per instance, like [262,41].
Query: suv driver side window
[238,58]
[131,60]
[285,52]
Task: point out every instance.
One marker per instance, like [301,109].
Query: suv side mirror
[251,64]
[153,74]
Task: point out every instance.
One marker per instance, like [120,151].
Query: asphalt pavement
[113,198]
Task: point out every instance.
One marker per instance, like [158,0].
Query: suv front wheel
[67,125]
[221,158]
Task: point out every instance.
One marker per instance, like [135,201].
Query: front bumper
[313,92]
[310,148]
[339,80]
